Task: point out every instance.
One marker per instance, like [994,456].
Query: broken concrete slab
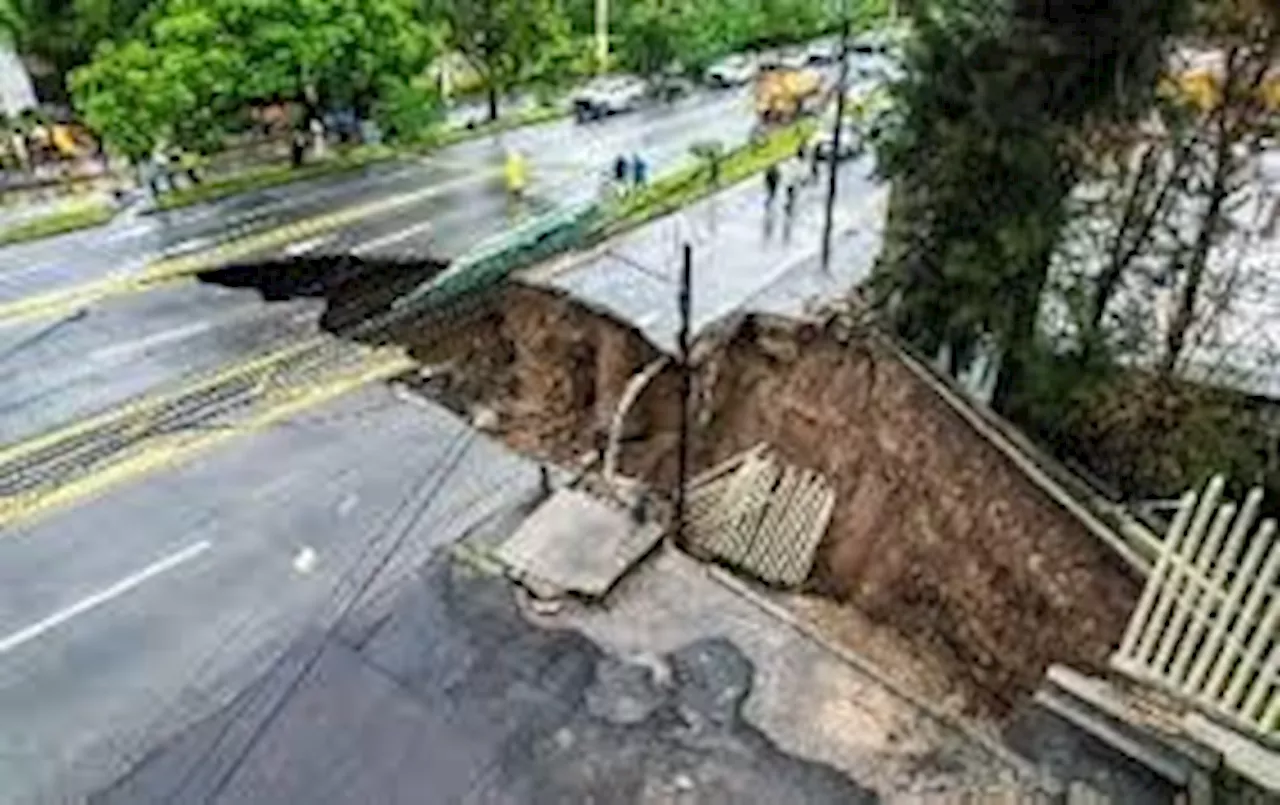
[575,544]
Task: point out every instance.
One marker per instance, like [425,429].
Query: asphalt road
[91,357]
[568,162]
[122,619]
[126,616]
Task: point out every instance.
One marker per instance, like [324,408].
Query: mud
[936,533]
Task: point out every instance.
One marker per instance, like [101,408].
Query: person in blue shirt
[640,170]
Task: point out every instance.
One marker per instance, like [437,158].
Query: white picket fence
[1207,627]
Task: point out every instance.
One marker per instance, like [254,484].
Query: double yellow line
[274,399]
[63,302]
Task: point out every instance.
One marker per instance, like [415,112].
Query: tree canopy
[506,41]
[199,63]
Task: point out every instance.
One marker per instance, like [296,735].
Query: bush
[408,111]
[1146,436]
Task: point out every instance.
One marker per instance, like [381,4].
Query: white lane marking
[116,590]
[302,247]
[276,203]
[129,232]
[189,246]
[394,237]
[305,562]
[233,317]
[151,341]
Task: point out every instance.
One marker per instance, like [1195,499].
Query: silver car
[609,95]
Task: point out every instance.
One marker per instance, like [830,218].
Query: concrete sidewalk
[746,256]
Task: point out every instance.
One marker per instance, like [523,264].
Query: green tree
[12,20]
[506,41]
[60,35]
[650,38]
[992,113]
[191,73]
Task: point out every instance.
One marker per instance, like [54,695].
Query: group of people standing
[790,175]
[630,173]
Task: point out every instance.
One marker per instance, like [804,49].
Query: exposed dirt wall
[936,532]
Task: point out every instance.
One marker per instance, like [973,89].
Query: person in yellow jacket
[517,173]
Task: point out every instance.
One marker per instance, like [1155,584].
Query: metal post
[602,35]
[835,145]
[686,388]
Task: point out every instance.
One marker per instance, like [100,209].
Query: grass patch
[272,175]
[526,117]
[687,185]
[81,215]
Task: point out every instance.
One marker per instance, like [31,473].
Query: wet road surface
[92,356]
[490,709]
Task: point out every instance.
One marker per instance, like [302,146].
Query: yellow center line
[169,450]
[150,404]
[53,304]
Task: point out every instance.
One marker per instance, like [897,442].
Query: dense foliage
[1039,157]
[183,71]
[200,63]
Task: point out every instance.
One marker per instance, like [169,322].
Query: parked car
[823,51]
[888,40]
[794,59]
[769,60]
[670,87]
[609,95]
[732,71]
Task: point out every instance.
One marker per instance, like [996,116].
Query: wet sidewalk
[747,254]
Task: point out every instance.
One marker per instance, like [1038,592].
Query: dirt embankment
[936,533]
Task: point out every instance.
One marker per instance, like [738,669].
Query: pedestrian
[20,149]
[794,177]
[298,148]
[160,180]
[621,175]
[318,137]
[771,179]
[639,170]
[517,173]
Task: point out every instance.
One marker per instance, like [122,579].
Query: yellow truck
[784,93]
[1201,87]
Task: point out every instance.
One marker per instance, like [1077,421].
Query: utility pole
[602,35]
[686,388]
[835,145]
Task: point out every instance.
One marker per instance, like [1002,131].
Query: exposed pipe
[634,388]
